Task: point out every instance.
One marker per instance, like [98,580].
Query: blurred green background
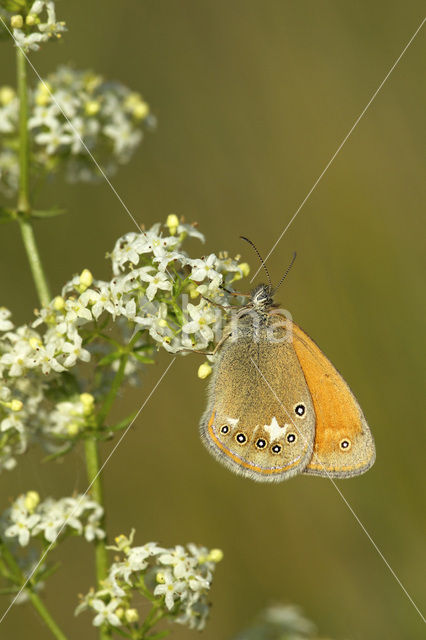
[252,99]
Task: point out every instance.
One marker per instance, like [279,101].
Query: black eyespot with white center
[261,443]
[276,448]
[291,437]
[241,438]
[300,409]
[224,429]
[345,444]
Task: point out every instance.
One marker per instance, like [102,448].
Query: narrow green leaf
[7,215]
[115,355]
[143,359]
[47,213]
[123,423]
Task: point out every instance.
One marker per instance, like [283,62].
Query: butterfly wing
[343,445]
[251,424]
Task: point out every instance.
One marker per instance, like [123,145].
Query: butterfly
[276,404]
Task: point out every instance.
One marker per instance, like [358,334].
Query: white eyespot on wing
[275,430]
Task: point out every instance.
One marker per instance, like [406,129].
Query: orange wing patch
[343,442]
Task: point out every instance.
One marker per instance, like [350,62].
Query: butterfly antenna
[285,273]
[260,258]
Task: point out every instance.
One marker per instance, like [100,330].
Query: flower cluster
[74,114]
[176,579]
[146,301]
[29,518]
[36,25]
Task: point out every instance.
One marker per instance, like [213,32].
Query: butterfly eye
[345,444]
[291,438]
[300,409]
[224,428]
[260,443]
[241,438]
[276,448]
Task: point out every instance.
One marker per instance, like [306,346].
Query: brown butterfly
[276,405]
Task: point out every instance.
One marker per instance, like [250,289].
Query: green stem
[24,142]
[24,206]
[93,467]
[95,482]
[35,600]
[40,281]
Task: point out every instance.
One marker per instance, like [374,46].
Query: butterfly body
[277,406]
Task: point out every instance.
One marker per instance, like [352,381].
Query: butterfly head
[261,297]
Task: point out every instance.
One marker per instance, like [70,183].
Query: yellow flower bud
[17,21]
[58,303]
[119,612]
[92,107]
[31,500]
[138,107]
[131,615]
[6,95]
[160,577]
[172,223]
[86,278]
[16,405]
[88,402]
[244,268]
[204,370]
[192,290]
[43,94]
[73,428]
[162,323]
[32,19]
[215,555]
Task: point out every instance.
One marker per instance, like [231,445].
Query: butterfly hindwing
[343,445]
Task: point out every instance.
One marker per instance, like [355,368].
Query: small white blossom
[105,612]
[202,269]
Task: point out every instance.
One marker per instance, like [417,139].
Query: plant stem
[93,475]
[24,207]
[34,598]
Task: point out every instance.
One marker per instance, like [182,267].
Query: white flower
[27,43]
[190,231]
[75,309]
[178,559]
[47,359]
[205,269]
[45,115]
[158,281]
[51,525]
[19,359]
[106,612]
[93,530]
[75,351]
[202,316]
[54,138]
[123,134]
[171,589]
[22,527]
